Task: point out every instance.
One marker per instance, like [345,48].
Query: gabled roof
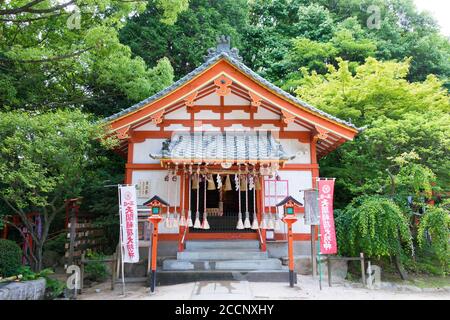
[287,199]
[210,147]
[231,57]
[156,198]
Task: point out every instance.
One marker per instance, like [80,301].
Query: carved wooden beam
[256,100]
[122,133]
[287,117]
[189,100]
[223,84]
[321,134]
[157,117]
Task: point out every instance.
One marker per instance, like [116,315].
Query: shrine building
[221,147]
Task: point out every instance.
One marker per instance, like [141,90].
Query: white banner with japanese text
[129,220]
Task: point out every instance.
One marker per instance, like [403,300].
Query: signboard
[311,207]
[129,221]
[327,230]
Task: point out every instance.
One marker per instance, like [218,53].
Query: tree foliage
[64,54]
[434,228]
[373,225]
[44,159]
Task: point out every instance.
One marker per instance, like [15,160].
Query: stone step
[265,264]
[211,254]
[176,277]
[222,244]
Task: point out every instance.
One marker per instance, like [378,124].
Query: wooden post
[363,274]
[113,270]
[154,219]
[83,255]
[289,221]
[329,270]
[72,235]
[149,255]
[291,255]
[313,250]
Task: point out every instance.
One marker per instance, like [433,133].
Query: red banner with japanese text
[129,221]
[328,243]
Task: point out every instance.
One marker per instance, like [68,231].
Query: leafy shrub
[434,230]
[374,225]
[10,257]
[95,271]
[54,288]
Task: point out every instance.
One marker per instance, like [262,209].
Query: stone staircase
[222,260]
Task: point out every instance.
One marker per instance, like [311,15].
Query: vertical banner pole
[121,242]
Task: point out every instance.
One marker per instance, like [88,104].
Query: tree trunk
[400,269]
[39,249]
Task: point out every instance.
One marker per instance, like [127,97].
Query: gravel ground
[306,288]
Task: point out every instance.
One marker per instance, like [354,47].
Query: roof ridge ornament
[223,45]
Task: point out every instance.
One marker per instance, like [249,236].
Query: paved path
[307,288]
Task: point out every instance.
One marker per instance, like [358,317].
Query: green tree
[62,54]
[44,159]
[374,225]
[185,42]
[434,229]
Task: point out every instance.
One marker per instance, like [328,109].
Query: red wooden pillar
[289,220]
[154,219]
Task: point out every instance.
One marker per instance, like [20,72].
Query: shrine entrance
[222,204]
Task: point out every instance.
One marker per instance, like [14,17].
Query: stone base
[26,290]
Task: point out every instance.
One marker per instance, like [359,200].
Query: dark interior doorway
[230,199]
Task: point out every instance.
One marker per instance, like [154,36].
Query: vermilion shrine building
[219,128]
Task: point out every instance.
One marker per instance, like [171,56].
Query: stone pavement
[307,288]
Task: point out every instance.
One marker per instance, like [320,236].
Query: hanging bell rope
[277,225]
[197,224]
[167,223]
[175,219]
[182,213]
[270,222]
[205,224]
[255,224]
[240,224]
[247,214]
[189,220]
